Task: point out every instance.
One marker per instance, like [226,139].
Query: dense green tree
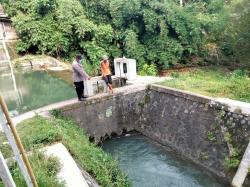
[159,32]
[237,35]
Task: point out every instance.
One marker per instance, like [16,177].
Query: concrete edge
[218,103]
[243,169]
[43,111]
[123,91]
[181,93]
[69,173]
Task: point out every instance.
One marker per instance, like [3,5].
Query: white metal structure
[126,68]
[16,152]
[5,173]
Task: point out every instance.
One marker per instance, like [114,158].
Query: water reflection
[34,90]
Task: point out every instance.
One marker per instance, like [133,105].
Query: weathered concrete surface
[42,111]
[190,123]
[69,172]
[45,110]
[235,106]
[199,127]
[183,120]
[243,169]
[7,32]
[110,114]
[89,179]
[40,62]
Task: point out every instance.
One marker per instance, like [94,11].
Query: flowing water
[34,89]
[149,164]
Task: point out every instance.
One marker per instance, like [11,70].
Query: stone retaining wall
[202,129]
[107,115]
[183,121]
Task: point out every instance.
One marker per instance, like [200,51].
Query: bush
[233,161]
[4,146]
[150,70]
[175,74]
[239,73]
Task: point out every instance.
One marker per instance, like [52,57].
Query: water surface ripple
[148,164]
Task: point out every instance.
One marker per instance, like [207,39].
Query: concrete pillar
[243,169]
[88,88]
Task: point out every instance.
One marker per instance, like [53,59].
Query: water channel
[34,90]
[148,164]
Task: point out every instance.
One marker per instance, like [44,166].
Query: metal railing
[18,150]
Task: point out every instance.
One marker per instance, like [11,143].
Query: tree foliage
[236,41]
[159,32]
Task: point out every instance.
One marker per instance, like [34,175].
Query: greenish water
[148,164]
[34,90]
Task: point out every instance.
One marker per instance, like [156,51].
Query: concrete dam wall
[108,115]
[200,128]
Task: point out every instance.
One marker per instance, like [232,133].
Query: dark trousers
[79,89]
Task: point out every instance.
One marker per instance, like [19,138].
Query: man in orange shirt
[106,73]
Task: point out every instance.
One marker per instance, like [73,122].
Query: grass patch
[233,161]
[4,146]
[45,169]
[215,83]
[39,131]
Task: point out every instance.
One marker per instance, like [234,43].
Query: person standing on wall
[79,76]
[106,73]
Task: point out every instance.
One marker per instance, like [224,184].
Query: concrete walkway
[43,111]
[243,169]
[70,174]
[148,80]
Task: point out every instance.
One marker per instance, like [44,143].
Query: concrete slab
[234,105]
[70,174]
[44,111]
[148,79]
[243,169]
